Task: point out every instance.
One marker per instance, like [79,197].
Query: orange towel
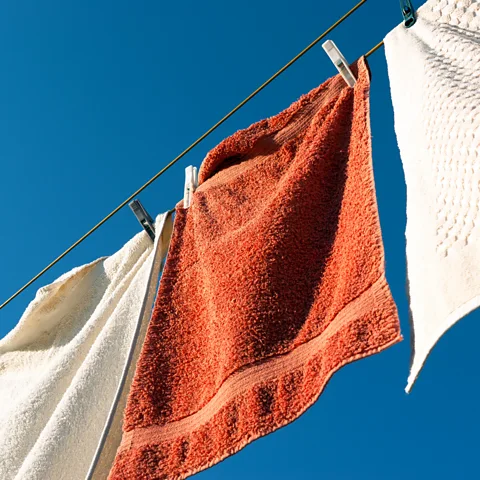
[275,279]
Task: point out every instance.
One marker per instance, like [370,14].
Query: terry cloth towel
[275,279]
[435,84]
[61,365]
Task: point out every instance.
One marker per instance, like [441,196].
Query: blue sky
[96,96]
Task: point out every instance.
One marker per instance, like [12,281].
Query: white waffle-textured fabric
[434,70]
[61,365]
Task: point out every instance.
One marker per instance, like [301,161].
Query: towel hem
[303,374]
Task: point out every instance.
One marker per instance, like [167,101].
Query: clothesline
[374,49]
[193,145]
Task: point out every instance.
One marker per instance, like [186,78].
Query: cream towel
[434,70]
[60,366]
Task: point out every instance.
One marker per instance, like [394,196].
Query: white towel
[60,366]
[434,70]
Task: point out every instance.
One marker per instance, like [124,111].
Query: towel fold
[435,85]
[60,366]
[275,279]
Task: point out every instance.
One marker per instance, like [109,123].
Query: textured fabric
[113,431]
[435,84]
[275,279]
[60,366]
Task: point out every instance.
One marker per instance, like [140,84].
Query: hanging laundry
[61,365]
[435,85]
[275,279]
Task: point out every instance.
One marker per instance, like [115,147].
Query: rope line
[374,49]
[181,155]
